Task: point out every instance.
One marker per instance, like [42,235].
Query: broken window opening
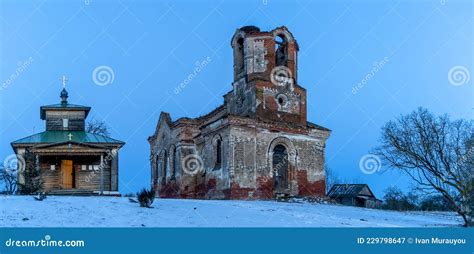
[281,51]
[173,163]
[239,55]
[218,150]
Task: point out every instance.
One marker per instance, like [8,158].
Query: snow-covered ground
[56,211]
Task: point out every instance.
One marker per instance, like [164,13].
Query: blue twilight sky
[153,46]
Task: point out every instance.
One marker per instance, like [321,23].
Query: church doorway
[280,169]
[67,174]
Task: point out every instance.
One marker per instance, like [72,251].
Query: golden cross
[63,80]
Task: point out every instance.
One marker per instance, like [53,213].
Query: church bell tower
[265,76]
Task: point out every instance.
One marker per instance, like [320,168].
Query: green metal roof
[63,106]
[51,137]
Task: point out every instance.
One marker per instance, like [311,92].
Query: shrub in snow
[40,197]
[146,197]
[32,183]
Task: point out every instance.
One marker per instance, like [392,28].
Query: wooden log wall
[84,179]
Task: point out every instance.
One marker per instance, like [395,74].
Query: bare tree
[8,177]
[436,153]
[97,127]
[331,177]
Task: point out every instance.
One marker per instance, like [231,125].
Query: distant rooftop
[350,190]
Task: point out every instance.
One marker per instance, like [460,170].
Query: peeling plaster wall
[246,169]
[251,162]
[216,179]
[241,101]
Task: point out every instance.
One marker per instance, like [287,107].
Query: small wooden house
[71,160]
[354,195]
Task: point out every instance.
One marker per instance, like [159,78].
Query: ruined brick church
[258,144]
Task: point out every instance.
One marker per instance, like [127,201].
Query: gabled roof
[350,190]
[63,106]
[163,119]
[52,137]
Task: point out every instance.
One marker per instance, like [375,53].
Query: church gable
[164,125]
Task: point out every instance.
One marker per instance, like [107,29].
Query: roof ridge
[55,136]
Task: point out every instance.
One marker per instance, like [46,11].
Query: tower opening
[239,55]
[281,51]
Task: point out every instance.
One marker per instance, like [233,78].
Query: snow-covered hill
[55,211]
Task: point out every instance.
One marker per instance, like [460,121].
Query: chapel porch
[77,170]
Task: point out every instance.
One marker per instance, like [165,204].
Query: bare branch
[97,127]
[435,152]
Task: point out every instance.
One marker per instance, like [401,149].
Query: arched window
[165,165]
[218,150]
[154,169]
[157,168]
[172,159]
[280,167]
[281,51]
[161,166]
[239,55]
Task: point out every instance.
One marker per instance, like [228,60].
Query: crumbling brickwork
[258,144]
